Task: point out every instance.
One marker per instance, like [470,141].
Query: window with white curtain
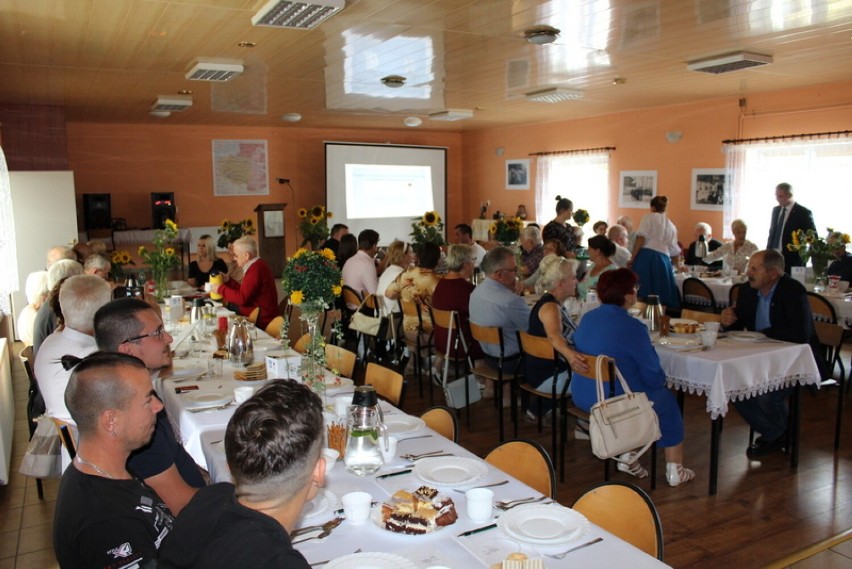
[8,254]
[582,177]
[820,172]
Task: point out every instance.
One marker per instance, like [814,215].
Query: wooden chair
[420,344]
[340,359]
[274,328]
[387,382]
[302,343]
[831,338]
[528,462]
[494,335]
[255,314]
[823,311]
[699,316]
[455,351]
[626,511]
[66,436]
[734,293]
[443,421]
[698,296]
[539,347]
[35,402]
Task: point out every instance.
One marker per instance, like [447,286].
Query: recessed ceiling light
[412,121]
[300,15]
[554,95]
[173,103]
[729,62]
[160,114]
[291,117]
[541,35]
[214,70]
[185,92]
[393,81]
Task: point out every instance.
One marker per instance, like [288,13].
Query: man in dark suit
[777,305]
[703,230]
[783,225]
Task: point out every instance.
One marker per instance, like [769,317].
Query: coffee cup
[356,507]
[712,326]
[479,504]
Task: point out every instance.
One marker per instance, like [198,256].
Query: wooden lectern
[270,236]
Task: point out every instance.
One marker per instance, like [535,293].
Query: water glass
[708,339]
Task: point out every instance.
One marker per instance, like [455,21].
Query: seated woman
[206,260]
[549,319]
[600,250]
[735,253]
[453,293]
[399,257]
[611,331]
[417,285]
[550,247]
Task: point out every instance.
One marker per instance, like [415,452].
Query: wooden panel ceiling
[108,60]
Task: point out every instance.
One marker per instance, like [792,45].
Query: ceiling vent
[554,95]
[451,115]
[298,15]
[729,62]
[213,70]
[172,103]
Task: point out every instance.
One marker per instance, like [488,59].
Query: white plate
[543,525]
[371,561]
[267,344]
[324,502]
[376,516]
[678,344]
[331,382]
[403,424]
[451,470]
[674,321]
[746,336]
[186,373]
[206,399]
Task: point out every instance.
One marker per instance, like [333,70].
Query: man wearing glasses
[132,327]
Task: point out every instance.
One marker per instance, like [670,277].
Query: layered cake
[418,512]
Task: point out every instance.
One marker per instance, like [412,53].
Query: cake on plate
[418,512]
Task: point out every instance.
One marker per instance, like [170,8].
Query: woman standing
[600,250]
[559,228]
[655,247]
[205,261]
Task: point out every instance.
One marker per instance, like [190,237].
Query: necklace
[94,467]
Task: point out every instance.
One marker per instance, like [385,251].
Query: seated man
[703,230]
[246,524]
[532,250]
[257,288]
[46,319]
[131,326]
[618,235]
[105,517]
[97,264]
[778,306]
[464,236]
[359,271]
[842,265]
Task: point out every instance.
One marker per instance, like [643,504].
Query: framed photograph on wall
[636,188]
[709,186]
[518,174]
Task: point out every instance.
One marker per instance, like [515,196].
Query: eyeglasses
[158,333]
[511,270]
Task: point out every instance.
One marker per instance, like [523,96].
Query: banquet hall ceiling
[109,60]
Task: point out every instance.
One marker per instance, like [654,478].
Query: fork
[421,455]
[508,505]
[575,548]
[502,482]
[216,408]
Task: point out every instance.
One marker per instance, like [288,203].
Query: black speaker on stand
[97,213]
[162,208]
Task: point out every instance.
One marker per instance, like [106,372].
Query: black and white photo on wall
[709,186]
[636,188]
[518,174]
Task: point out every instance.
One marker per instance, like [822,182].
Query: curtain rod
[807,136]
[580,151]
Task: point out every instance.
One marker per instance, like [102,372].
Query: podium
[270,236]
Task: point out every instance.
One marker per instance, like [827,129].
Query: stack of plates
[253,372]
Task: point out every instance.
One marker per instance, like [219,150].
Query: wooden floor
[762,512]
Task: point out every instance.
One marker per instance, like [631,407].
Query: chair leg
[498,398]
[841,386]
[40,489]
[654,466]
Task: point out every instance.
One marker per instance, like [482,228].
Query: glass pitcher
[240,346]
[363,455]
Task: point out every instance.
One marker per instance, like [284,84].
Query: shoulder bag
[364,323]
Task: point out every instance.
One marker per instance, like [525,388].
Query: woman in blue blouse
[611,331]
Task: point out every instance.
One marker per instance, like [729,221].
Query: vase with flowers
[117,262]
[313,224]
[162,257]
[819,251]
[427,229]
[507,230]
[231,231]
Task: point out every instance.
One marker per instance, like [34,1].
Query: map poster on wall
[240,168]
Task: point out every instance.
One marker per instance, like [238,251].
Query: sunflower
[296,297]
[328,254]
[299,252]
[171,225]
[141,251]
[431,218]
[329,215]
[169,252]
[125,257]
[317,211]
[302,213]
[315,220]
[493,228]
[336,289]
[116,257]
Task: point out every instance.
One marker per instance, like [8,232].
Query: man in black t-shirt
[105,517]
[248,525]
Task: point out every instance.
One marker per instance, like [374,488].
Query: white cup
[712,326]
[330,455]
[341,405]
[208,287]
[243,393]
[388,453]
[480,504]
[356,507]
[708,338]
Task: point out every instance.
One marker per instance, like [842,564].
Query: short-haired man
[532,249]
[131,326]
[494,303]
[46,319]
[788,217]
[777,305]
[627,223]
[257,289]
[706,231]
[246,524]
[359,271]
[618,235]
[338,230]
[97,264]
[464,236]
[105,517]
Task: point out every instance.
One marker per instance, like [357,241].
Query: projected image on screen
[387,191]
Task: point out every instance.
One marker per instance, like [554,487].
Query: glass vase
[161,278]
[313,360]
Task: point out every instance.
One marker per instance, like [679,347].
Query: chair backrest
[536,346]
[734,294]
[351,296]
[340,359]
[387,382]
[626,511]
[821,308]
[699,316]
[66,437]
[372,304]
[697,294]
[831,337]
[443,421]
[528,462]
[285,308]
[301,344]
[448,319]
[274,328]
[487,334]
[255,314]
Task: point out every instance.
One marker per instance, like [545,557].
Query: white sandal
[676,474]
[631,465]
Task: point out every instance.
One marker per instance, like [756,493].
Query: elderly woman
[532,250]
[600,250]
[611,331]
[551,247]
[735,253]
[551,320]
[399,257]
[453,293]
[655,246]
[206,260]
[559,228]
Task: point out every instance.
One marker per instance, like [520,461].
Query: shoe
[676,474]
[763,447]
[631,465]
[532,418]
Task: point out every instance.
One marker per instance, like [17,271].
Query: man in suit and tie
[787,217]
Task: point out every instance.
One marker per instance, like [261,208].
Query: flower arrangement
[117,261]
[810,246]
[427,229]
[230,232]
[162,257]
[313,225]
[507,230]
[311,279]
[581,217]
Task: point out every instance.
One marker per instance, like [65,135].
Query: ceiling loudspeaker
[729,62]
[297,15]
[172,103]
[213,70]
[451,115]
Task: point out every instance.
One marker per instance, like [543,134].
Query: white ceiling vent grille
[554,95]
[451,115]
[298,15]
[729,62]
[172,103]
[210,70]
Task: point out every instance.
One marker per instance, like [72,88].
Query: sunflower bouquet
[507,230]
[314,225]
[427,229]
[581,217]
[230,232]
[311,279]
[162,258]
[118,260]
[810,246]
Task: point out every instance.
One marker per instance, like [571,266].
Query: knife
[477,530]
[397,473]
